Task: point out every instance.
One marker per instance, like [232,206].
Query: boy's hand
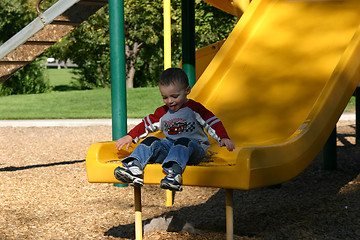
[230,146]
[126,140]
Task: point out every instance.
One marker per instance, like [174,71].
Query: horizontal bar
[96,3]
[14,62]
[67,23]
[48,43]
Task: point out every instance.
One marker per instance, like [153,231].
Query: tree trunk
[131,56]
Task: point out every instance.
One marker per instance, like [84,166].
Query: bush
[29,80]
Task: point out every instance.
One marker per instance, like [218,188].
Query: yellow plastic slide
[279,83]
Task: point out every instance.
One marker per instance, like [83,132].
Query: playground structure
[279,83]
[43,32]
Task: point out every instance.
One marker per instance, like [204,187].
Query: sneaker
[131,174]
[172,181]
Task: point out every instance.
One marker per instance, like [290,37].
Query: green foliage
[212,25]
[88,46]
[30,79]
[145,26]
[14,15]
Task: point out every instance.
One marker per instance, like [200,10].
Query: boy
[182,120]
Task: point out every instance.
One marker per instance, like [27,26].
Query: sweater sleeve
[209,121]
[150,123]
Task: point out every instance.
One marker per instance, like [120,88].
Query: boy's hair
[173,75]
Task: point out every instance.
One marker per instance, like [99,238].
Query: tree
[88,46]
[143,32]
[14,15]
[212,25]
[29,80]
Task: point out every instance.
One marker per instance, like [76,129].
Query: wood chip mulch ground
[44,194]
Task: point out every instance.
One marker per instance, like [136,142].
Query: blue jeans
[165,151]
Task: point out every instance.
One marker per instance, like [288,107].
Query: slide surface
[279,83]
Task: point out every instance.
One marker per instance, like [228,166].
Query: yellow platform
[279,83]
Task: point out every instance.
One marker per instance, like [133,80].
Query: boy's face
[174,95]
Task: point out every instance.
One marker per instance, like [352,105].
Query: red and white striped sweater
[189,121]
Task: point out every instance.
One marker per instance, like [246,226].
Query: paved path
[91,122]
[347,117]
[61,122]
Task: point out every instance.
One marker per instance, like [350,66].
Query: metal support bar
[229,215]
[167,34]
[138,210]
[19,63]
[188,39]
[40,43]
[92,3]
[38,6]
[118,71]
[329,152]
[65,23]
[35,26]
[167,64]
[357,114]
[40,14]
[169,198]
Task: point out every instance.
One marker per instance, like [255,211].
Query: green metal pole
[329,152]
[357,114]
[118,71]
[188,39]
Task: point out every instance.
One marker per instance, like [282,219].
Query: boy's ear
[188,90]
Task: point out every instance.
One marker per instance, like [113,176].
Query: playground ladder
[48,28]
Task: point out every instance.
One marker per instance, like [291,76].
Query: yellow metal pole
[167,34]
[169,198]
[229,215]
[167,64]
[138,218]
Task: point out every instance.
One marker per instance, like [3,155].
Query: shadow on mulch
[13,169]
[317,204]
[122,231]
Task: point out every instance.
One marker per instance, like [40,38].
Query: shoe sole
[128,178]
[171,187]
[137,182]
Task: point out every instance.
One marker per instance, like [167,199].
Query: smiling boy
[182,120]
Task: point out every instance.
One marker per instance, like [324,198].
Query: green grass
[65,103]
[351,105]
[77,104]
[61,79]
